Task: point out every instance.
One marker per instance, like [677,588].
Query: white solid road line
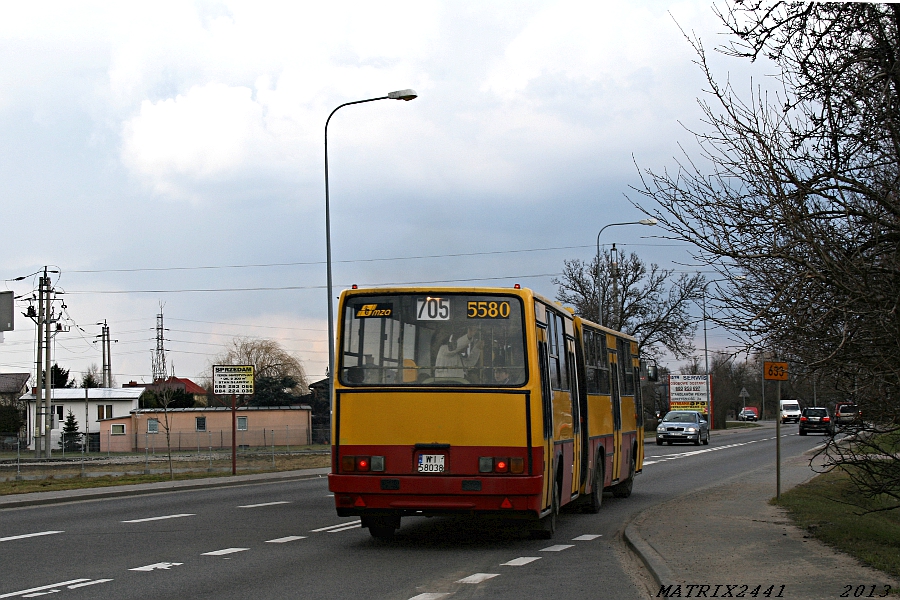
[522,560]
[586,537]
[289,538]
[477,577]
[264,504]
[43,587]
[224,551]
[557,548]
[160,518]
[28,535]
[335,526]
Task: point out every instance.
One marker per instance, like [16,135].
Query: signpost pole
[231,379]
[777,372]
[778,440]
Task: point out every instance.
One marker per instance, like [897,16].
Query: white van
[790,411]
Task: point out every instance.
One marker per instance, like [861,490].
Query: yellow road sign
[775,371]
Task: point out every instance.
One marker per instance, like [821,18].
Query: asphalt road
[283,540]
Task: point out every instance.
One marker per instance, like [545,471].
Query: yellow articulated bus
[484,401]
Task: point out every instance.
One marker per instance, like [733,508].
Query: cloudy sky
[172,152]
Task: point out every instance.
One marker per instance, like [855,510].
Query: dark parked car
[814,419]
[748,414]
[683,426]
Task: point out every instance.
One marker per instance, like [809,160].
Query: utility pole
[106,372]
[48,423]
[39,379]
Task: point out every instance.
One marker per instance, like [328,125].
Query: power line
[313,287]
[349,261]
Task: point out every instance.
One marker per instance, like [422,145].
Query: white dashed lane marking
[81,585]
[557,548]
[357,526]
[477,578]
[340,526]
[522,560]
[53,588]
[290,538]
[224,551]
[264,504]
[28,535]
[160,518]
[430,596]
[586,538]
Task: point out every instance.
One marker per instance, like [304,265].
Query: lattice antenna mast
[159,357]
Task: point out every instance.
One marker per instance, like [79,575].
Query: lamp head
[648,221]
[403,95]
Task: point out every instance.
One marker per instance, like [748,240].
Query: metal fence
[278,449]
[217,439]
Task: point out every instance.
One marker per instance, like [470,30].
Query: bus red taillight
[501,465]
[363,463]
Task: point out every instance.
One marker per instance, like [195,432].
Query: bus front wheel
[547,526]
[623,490]
[596,499]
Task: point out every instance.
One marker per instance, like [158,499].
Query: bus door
[581,391]
[546,412]
[579,442]
[617,414]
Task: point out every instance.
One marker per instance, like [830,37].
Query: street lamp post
[398,95]
[648,221]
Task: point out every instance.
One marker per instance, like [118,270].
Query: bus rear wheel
[381,528]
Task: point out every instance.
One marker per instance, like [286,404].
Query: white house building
[89,405]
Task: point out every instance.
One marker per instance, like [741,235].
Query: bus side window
[590,362]
[602,363]
[553,349]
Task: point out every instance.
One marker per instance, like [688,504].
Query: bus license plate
[431,463]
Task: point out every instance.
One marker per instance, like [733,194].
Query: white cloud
[207,133]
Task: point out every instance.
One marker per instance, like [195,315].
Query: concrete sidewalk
[729,535]
[37,498]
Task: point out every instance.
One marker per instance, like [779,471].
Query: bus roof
[522,292]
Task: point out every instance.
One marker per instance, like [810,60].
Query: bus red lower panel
[436,494]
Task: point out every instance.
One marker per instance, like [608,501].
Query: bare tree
[650,304]
[795,192]
[278,373]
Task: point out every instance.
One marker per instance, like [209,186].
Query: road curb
[654,562]
[140,489]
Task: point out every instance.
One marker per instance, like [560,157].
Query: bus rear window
[432,340]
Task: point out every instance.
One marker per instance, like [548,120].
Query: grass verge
[821,507]
[51,484]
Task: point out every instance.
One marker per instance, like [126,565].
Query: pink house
[207,427]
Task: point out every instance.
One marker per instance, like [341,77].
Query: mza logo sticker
[374,310]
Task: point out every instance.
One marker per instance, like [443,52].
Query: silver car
[683,426]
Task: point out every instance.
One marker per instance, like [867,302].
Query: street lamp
[648,221]
[398,95]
